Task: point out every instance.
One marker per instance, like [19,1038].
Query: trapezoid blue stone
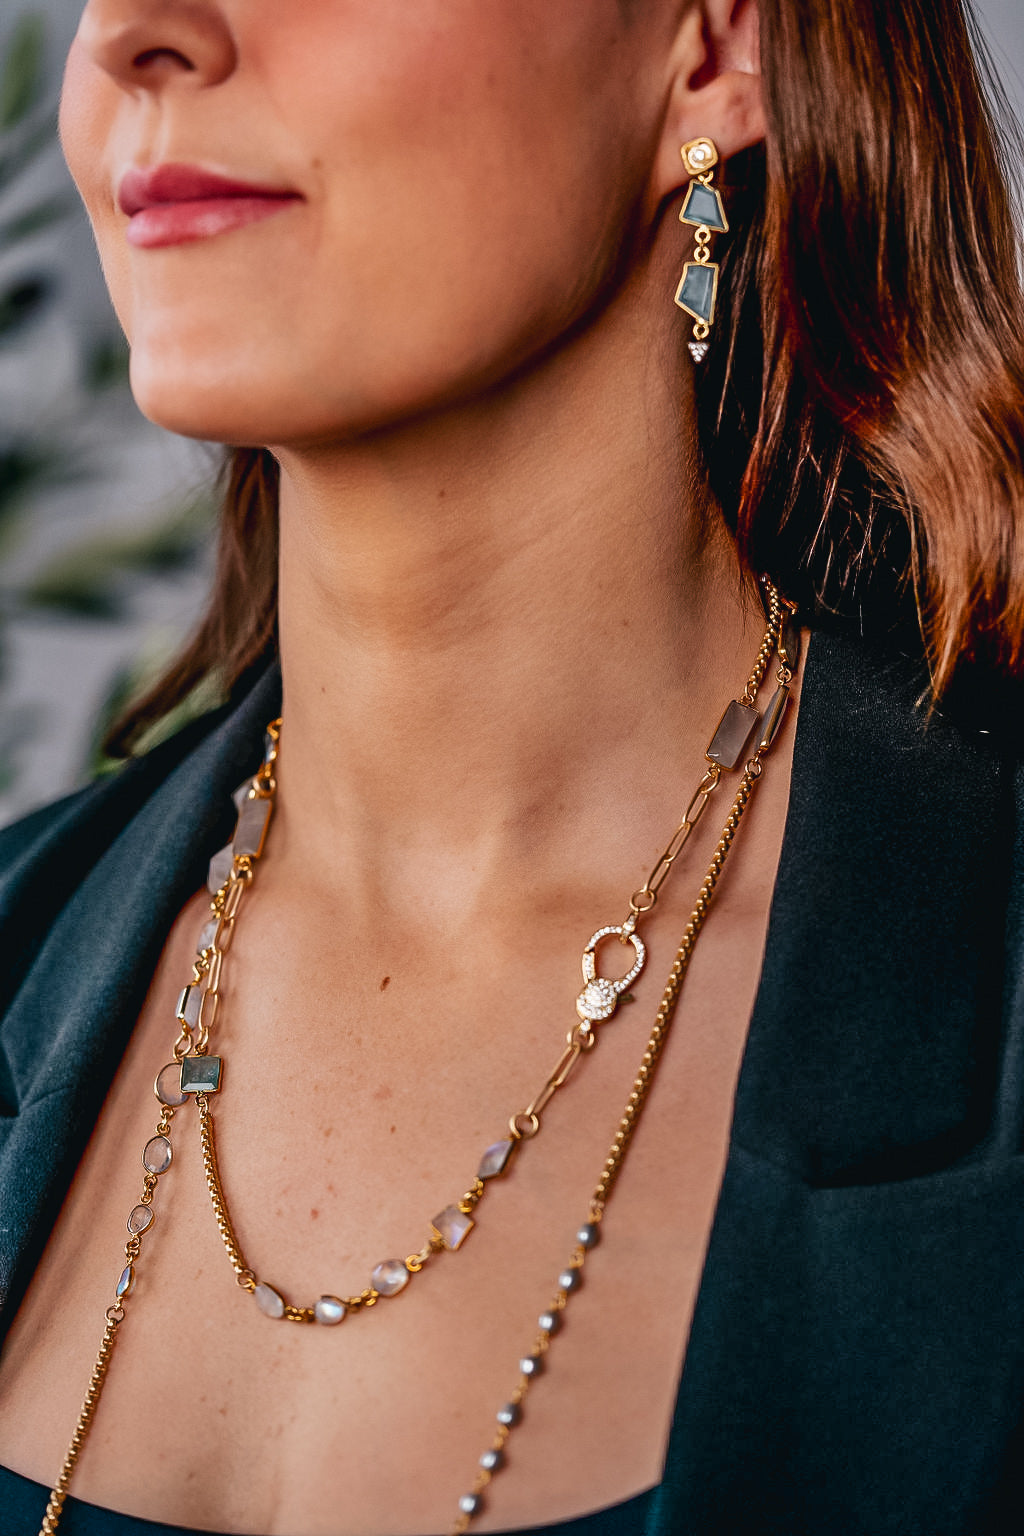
[703,205]
[696,292]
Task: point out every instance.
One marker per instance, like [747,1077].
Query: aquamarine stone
[704,206]
[696,292]
[200,1074]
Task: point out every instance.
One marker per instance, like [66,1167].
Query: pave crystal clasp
[600,997]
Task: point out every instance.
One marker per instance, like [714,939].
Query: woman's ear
[715,88]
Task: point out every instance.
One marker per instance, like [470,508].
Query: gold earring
[703,207]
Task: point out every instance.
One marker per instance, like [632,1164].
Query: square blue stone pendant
[200,1074]
[696,293]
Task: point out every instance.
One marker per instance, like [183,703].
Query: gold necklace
[194,1073]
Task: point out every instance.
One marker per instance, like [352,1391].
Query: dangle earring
[703,207]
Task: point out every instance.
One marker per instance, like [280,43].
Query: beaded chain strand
[194,1073]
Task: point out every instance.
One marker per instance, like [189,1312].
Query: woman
[417,261]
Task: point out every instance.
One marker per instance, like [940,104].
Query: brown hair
[864,426]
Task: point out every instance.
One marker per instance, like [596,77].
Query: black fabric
[856,1364]
[23,1504]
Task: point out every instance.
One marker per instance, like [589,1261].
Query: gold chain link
[224,909]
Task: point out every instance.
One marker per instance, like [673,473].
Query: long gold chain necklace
[194,1073]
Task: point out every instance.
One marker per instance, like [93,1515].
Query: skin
[509,626]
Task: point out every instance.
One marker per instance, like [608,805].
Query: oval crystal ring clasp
[600,997]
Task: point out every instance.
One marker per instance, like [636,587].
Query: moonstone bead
[168,1085]
[140,1220]
[390,1277]
[329,1310]
[220,868]
[126,1283]
[253,819]
[452,1226]
[495,1159]
[207,934]
[189,1003]
[157,1156]
[268,1301]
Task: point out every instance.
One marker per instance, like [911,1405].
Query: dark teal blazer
[856,1366]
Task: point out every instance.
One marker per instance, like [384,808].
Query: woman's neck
[499,622]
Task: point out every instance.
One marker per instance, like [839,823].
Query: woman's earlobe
[728,110]
[716,89]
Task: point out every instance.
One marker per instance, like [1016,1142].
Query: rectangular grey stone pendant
[696,293]
[200,1074]
[251,831]
[732,737]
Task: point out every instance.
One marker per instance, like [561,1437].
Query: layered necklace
[741,741]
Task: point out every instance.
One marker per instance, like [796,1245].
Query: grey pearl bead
[531,1365]
[570,1280]
[589,1235]
[492,1460]
[471,1504]
[510,1414]
[549,1322]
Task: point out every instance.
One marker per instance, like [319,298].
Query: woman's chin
[223,407]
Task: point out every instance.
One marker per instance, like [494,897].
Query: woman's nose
[147,44]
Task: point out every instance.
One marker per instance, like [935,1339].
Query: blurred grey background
[104,520]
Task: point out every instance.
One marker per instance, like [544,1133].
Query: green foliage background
[102,575]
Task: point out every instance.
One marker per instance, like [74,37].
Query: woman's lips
[173,204]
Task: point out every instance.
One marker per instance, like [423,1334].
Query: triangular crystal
[698,350]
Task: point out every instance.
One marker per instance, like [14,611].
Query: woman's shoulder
[182,785]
